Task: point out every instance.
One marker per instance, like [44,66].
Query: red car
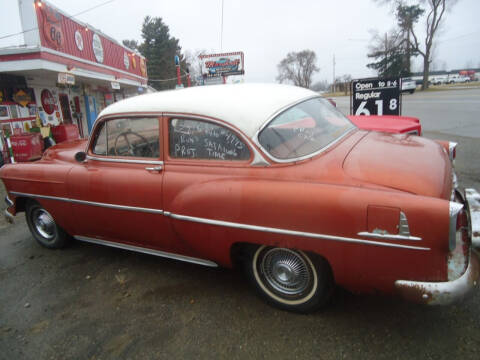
[388,123]
[272,178]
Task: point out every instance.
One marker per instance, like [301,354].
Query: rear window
[303,130]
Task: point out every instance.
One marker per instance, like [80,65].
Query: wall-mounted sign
[126,60]
[52,27]
[22,98]
[97,48]
[79,40]
[222,64]
[143,67]
[64,78]
[48,101]
[376,97]
[115,85]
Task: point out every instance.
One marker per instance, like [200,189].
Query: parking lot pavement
[93,302]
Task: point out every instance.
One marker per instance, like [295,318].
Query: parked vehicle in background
[456,78]
[469,73]
[268,177]
[394,124]
[409,85]
[438,79]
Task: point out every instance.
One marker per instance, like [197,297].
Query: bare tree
[298,67]
[435,13]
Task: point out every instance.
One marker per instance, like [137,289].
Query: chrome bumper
[444,293]
[8,215]
[441,293]
[472,199]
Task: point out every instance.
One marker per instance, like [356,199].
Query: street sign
[376,97]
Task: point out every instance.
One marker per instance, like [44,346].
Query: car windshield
[303,130]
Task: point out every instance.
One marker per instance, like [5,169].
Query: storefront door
[91,107]
[65,106]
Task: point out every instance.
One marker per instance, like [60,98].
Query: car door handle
[155,168]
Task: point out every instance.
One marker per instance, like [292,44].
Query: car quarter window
[199,139]
[134,137]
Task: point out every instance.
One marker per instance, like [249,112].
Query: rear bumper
[441,293]
[472,200]
[448,292]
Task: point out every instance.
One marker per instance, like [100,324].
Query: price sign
[376,97]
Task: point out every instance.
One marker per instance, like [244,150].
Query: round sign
[97,48]
[79,40]
[48,101]
[126,60]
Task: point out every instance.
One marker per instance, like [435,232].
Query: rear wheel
[43,227]
[290,279]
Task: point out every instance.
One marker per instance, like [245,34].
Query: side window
[197,139]
[135,137]
[100,147]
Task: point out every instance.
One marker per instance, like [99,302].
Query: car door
[117,191]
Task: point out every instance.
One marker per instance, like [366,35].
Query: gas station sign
[376,97]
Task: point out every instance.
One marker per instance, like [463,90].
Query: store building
[65,72]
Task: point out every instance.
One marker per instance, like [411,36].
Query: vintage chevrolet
[272,178]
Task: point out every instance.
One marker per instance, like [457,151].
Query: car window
[130,137]
[198,139]
[303,129]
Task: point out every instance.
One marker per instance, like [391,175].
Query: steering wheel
[132,148]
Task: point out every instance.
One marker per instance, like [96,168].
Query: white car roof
[245,106]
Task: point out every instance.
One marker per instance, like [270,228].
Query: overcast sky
[266,30]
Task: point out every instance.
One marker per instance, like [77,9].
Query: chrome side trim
[147,251]
[92,203]
[228,224]
[128,161]
[455,208]
[389,236]
[292,232]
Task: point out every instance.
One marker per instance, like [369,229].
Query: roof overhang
[29,60]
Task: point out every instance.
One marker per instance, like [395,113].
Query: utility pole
[221,32]
[334,85]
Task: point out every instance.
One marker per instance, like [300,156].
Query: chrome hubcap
[44,224]
[286,271]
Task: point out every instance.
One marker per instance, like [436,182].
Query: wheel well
[21,203]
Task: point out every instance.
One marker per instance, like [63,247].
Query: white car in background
[455,79]
[409,85]
[438,80]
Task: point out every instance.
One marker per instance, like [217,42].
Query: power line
[68,17]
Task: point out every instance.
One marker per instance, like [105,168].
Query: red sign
[48,101]
[80,42]
[52,27]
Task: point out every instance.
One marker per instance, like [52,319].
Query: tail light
[455,224]
[452,150]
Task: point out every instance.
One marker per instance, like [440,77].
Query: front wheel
[43,227]
[290,279]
